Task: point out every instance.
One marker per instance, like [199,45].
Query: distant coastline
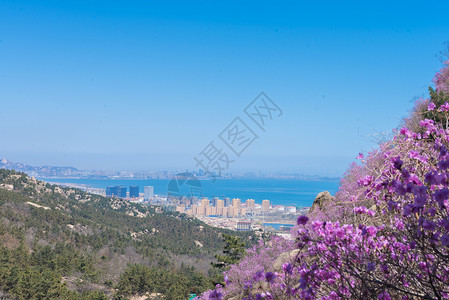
[57,172]
[286,192]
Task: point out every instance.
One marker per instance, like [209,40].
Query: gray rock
[284,258]
[320,201]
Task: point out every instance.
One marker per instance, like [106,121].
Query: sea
[288,192]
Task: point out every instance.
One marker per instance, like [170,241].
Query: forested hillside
[60,242]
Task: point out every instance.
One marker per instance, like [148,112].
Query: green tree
[234,250]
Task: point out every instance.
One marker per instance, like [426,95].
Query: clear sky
[146,85]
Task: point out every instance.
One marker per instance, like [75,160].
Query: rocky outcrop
[284,258]
[320,201]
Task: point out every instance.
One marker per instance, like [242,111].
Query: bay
[288,192]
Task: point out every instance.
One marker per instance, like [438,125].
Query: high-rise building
[211,211]
[265,205]
[122,191]
[214,201]
[134,191]
[205,202]
[227,201]
[111,191]
[148,193]
[116,191]
[204,206]
[236,206]
[250,204]
[219,204]
[194,210]
[236,203]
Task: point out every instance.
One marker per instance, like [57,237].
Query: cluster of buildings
[224,208]
[218,212]
[120,191]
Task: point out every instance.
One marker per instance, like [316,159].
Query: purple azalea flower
[444,107]
[445,240]
[429,177]
[441,195]
[428,225]
[397,163]
[371,230]
[258,276]
[431,211]
[435,238]
[302,220]
[431,106]
[399,188]
[288,268]
[445,224]
[443,165]
[215,295]
[410,187]
[420,201]
[247,285]
[408,209]
[413,154]
[406,132]
[415,179]
[384,296]
[440,179]
[370,267]
[435,178]
[426,123]
[392,205]
[302,283]
[364,231]
[363,210]
[365,181]
[420,191]
[270,277]
[405,173]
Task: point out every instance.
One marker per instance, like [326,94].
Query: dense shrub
[385,235]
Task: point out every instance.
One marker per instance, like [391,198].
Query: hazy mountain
[42,170]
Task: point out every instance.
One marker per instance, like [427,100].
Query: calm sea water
[277,226]
[287,192]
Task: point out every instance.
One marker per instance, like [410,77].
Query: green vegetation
[140,279]
[65,243]
[234,250]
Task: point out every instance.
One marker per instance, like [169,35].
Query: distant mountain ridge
[41,171]
[56,171]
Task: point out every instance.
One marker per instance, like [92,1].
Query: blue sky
[146,85]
